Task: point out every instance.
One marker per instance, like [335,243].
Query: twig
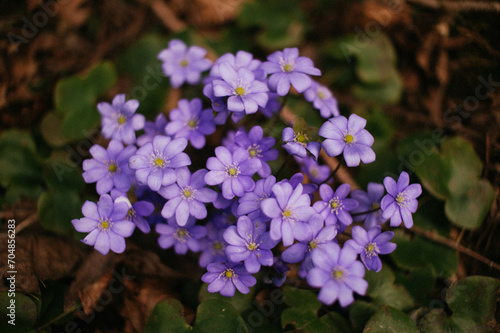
[452,244]
[62,315]
[166,15]
[459,6]
[27,222]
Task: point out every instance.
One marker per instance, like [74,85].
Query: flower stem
[366,212]
[333,172]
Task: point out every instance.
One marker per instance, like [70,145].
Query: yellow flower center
[159,162]
[371,249]
[288,68]
[349,138]
[122,120]
[130,214]
[400,199]
[184,63]
[192,123]
[334,204]
[240,91]
[252,246]
[252,152]
[321,95]
[301,138]
[229,273]
[338,274]
[112,167]
[286,213]
[233,171]
[217,245]
[312,245]
[375,205]
[104,225]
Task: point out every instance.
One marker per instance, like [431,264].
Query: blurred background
[424,73]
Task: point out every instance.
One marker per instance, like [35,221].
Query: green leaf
[167,317]
[218,316]
[150,85]
[359,314]
[382,289]
[434,174]
[61,202]
[473,302]
[52,302]
[387,92]
[303,308]
[465,165]
[56,209]
[474,298]
[75,99]
[20,171]
[331,322]
[282,22]
[50,127]
[469,209]
[24,313]
[419,283]
[419,252]
[239,301]
[389,319]
[376,63]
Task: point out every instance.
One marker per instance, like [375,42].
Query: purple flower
[277,277]
[297,143]
[213,246]
[106,224]
[249,242]
[137,211]
[337,272]
[152,129]
[273,105]
[322,99]
[242,59]
[370,244]
[369,202]
[187,197]
[297,179]
[400,202]
[317,173]
[183,64]
[144,193]
[109,167]
[288,68]
[181,238]
[234,171]
[335,206]
[290,211]
[219,105]
[227,277]
[245,93]
[348,137]
[258,147]
[318,236]
[154,162]
[119,121]
[191,122]
[249,203]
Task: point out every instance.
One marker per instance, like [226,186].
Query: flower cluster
[232,207]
